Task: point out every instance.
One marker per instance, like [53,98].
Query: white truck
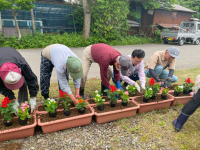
[188,31]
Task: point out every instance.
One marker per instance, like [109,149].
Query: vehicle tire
[181,41]
[196,42]
[165,41]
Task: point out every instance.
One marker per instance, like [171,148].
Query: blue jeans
[133,77]
[163,74]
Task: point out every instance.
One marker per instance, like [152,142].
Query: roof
[133,23]
[168,25]
[179,8]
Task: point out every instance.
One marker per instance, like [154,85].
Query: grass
[155,125]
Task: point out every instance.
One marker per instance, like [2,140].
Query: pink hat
[11,76]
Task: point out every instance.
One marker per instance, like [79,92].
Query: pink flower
[21,107]
[161,88]
[126,92]
[23,110]
[166,87]
[160,83]
[77,96]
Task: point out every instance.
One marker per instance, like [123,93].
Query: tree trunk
[16,23]
[87,19]
[33,21]
[1,31]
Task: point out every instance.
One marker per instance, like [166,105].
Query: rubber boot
[179,122]
[81,93]
[102,90]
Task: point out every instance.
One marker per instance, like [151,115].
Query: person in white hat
[15,73]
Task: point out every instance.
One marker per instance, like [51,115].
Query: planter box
[180,100]
[42,112]
[18,133]
[61,124]
[95,103]
[147,107]
[117,114]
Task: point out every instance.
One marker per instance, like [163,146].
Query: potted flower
[125,98]
[112,95]
[187,86]
[50,106]
[23,113]
[6,111]
[131,89]
[177,90]
[148,92]
[164,93]
[98,99]
[155,87]
[66,102]
[81,104]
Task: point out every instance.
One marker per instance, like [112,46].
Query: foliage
[131,89]
[110,18]
[112,92]
[156,88]
[98,98]
[124,96]
[39,40]
[188,84]
[81,103]
[157,38]
[6,109]
[64,97]
[23,111]
[148,92]
[164,90]
[178,88]
[4,4]
[50,105]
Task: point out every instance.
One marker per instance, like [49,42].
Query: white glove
[32,103]
[137,86]
[16,107]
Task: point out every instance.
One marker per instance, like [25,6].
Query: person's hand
[16,107]
[137,86]
[167,83]
[118,85]
[32,103]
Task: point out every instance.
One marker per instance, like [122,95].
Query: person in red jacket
[104,55]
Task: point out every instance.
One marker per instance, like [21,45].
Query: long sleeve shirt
[105,55]
[8,54]
[59,55]
[132,70]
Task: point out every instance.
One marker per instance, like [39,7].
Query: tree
[33,21]
[4,4]
[192,4]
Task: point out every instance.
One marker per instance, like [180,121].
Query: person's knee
[158,69]
[174,79]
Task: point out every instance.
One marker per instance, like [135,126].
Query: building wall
[170,17]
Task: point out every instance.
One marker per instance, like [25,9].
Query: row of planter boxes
[85,119]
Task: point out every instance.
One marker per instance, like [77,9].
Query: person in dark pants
[15,73]
[190,107]
[66,63]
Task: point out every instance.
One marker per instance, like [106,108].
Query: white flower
[48,99]
[181,86]
[150,89]
[96,91]
[52,100]
[103,99]
[127,87]
[98,95]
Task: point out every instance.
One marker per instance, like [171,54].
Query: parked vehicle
[188,31]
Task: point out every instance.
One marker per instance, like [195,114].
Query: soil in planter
[157,99]
[91,101]
[61,115]
[1,117]
[181,95]
[41,108]
[172,86]
[16,124]
[119,106]
[14,146]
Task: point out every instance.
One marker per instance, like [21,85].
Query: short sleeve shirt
[158,58]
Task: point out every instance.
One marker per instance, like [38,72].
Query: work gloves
[16,107]
[118,85]
[137,86]
[167,83]
[32,103]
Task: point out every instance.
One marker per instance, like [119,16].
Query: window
[198,27]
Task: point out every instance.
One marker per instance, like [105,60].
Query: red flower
[80,101]
[188,80]
[5,102]
[112,88]
[62,94]
[152,82]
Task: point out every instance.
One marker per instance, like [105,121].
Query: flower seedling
[125,96]
[64,97]
[50,105]
[98,98]
[155,86]
[81,103]
[164,91]
[148,92]
[178,88]
[112,92]
[131,89]
[187,86]
[6,109]
[23,111]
